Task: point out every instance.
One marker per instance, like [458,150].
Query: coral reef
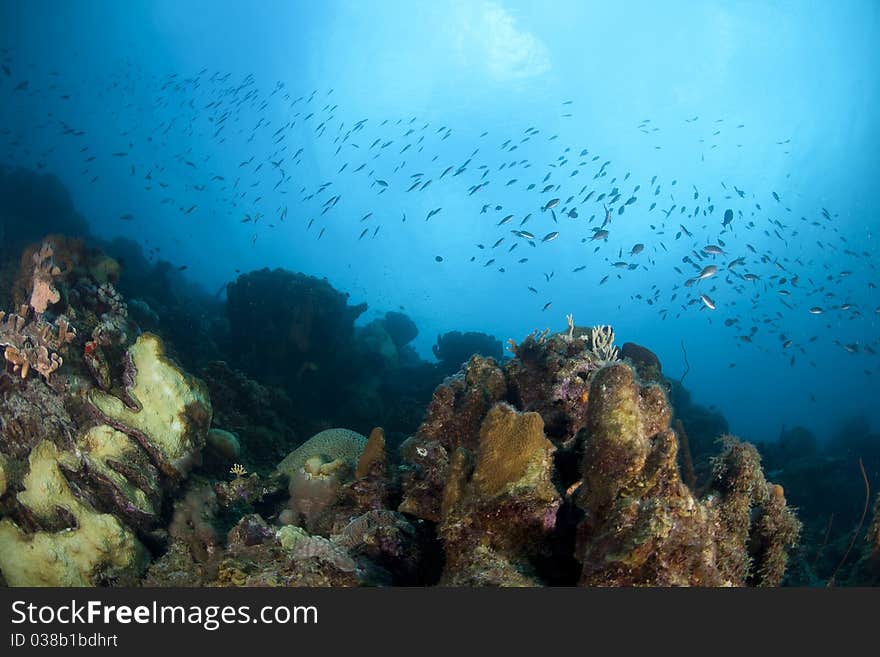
[34,343]
[303,330]
[557,465]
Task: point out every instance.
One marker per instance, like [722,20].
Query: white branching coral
[602,344]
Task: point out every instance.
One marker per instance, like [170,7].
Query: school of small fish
[731,248]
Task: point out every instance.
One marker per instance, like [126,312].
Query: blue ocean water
[220,132]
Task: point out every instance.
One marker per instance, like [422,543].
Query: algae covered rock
[170,411]
[224,443]
[97,549]
[643,526]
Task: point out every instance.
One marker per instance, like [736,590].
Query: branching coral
[602,344]
[43,291]
[34,345]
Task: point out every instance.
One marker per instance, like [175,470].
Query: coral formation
[304,328]
[558,465]
[86,548]
[341,446]
[499,505]
[170,411]
[615,455]
[643,526]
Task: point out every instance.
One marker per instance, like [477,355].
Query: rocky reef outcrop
[603,484]
[560,465]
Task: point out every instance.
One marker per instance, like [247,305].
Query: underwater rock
[643,526]
[605,438]
[261,416]
[86,548]
[30,411]
[193,522]
[32,205]
[245,490]
[499,505]
[400,327]
[288,556]
[170,411]
[551,376]
[386,540]
[378,349]
[645,362]
[223,443]
[290,328]
[454,348]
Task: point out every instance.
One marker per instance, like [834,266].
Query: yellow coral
[104,446]
[374,452]
[174,409]
[513,452]
[99,548]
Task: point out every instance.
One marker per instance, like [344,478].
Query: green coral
[172,411]
[98,549]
